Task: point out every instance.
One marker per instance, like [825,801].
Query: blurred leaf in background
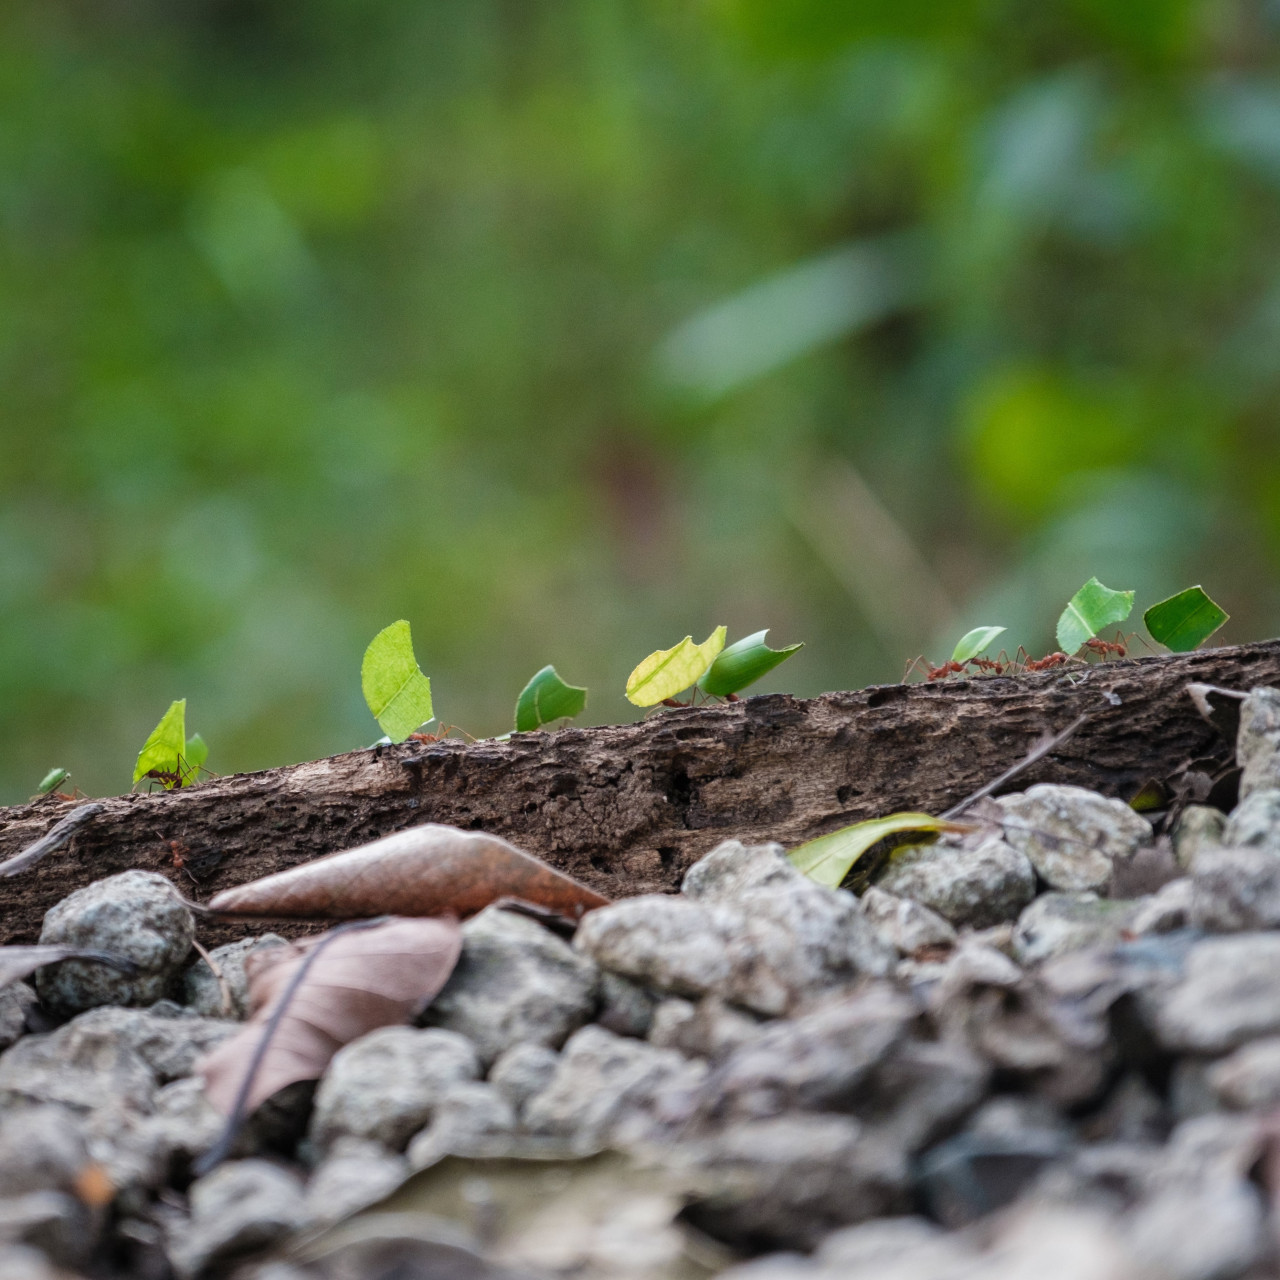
[571,327]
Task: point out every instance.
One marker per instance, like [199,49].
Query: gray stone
[790,1181]
[17,1262]
[874,1243]
[54,1222]
[750,928]
[1227,996]
[523,1072]
[1056,923]
[107,1057]
[626,1008]
[813,1062]
[135,914]
[906,925]
[41,1149]
[1258,741]
[472,1118]
[16,1001]
[386,1085]
[1248,1080]
[240,1207]
[1199,827]
[968,886]
[515,983]
[1255,823]
[1235,890]
[920,1090]
[201,991]
[1165,911]
[1072,836]
[1204,1232]
[708,1029]
[354,1175]
[602,1080]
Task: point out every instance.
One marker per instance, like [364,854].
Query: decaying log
[627,809]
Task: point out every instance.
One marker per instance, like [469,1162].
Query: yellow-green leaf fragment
[669,671]
[974,642]
[828,859]
[397,692]
[743,663]
[546,698]
[1185,621]
[1088,611]
[163,751]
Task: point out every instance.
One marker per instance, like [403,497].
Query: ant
[993,666]
[178,856]
[445,731]
[1055,659]
[1103,648]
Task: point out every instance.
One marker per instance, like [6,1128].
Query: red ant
[178,856]
[445,731]
[1103,648]
[992,666]
[1055,659]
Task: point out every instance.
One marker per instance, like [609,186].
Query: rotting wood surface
[628,809]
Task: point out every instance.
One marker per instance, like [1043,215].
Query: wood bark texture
[628,809]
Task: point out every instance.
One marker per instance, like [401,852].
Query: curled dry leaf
[427,870]
[351,982]
[21,962]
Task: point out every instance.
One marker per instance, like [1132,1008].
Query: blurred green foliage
[561,328]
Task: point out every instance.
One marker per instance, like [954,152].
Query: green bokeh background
[564,329]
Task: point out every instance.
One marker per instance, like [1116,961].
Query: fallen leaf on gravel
[344,983]
[21,962]
[425,871]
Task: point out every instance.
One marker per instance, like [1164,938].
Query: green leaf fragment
[669,671]
[397,692]
[1088,611]
[547,698]
[1185,621]
[53,779]
[974,642]
[743,663]
[196,754]
[163,751]
[828,859]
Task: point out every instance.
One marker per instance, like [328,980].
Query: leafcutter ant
[1055,659]
[1104,648]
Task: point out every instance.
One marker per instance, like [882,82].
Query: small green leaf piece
[397,692]
[668,671]
[828,859]
[974,642]
[743,663]
[193,761]
[547,698]
[53,780]
[1185,621]
[163,750]
[1088,611]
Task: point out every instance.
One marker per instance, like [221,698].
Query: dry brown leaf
[21,962]
[358,979]
[427,870]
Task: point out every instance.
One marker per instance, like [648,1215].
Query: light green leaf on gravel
[974,642]
[1185,621]
[397,692]
[828,859]
[546,698]
[667,672]
[1088,611]
[743,663]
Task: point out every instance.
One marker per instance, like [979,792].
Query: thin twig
[54,838]
[235,1121]
[228,1010]
[1036,754]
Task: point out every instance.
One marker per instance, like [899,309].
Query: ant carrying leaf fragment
[168,756]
